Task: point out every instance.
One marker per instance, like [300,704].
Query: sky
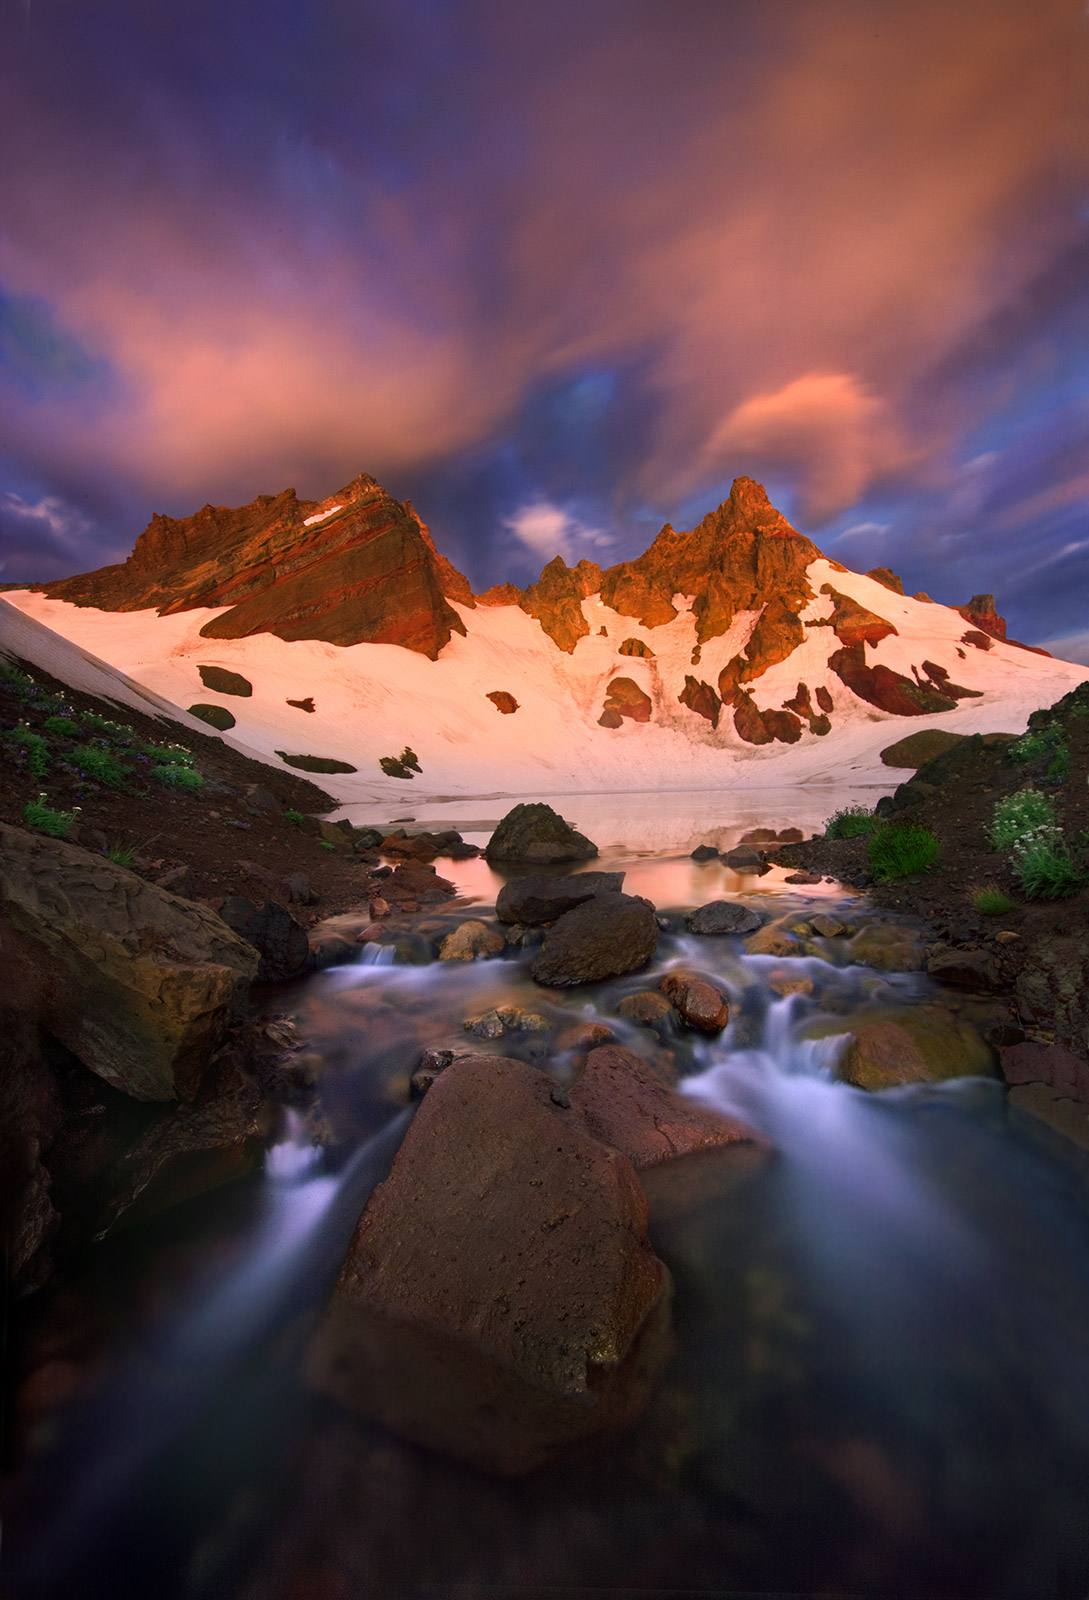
[557,273]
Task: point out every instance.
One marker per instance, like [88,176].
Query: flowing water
[881,1381]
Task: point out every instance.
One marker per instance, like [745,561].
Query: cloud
[1071,647]
[824,431]
[548,531]
[863,530]
[40,540]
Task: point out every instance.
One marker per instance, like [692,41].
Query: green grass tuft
[58,824]
[102,766]
[30,749]
[295,818]
[852,822]
[177,777]
[169,755]
[991,901]
[63,726]
[901,850]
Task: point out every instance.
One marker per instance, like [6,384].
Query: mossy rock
[217,716]
[315,763]
[892,1046]
[919,747]
[220,681]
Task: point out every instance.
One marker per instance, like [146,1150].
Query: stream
[881,1376]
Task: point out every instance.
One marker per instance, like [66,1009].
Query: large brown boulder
[139,984]
[499,1301]
[538,899]
[699,1004]
[852,623]
[1053,1064]
[624,1104]
[536,833]
[624,698]
[603,938]
[367,570]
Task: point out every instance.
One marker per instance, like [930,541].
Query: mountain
[733,653]
[357,567]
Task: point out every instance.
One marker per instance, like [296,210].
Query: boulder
[923,1044]
[828,927]
[635,647]
[700,698]
[298,890]
[647,1007]
[852,623]
[537,833]
[282,945]
[538,899]
[965,969]
[624,1104]
[1053,1064]
[499,1301]
[138,984]
[469,940]
[699,1004]
[705,852]
[775,939]
[30,1116]
[220,681]
[919,748]
[889,947]
[194,1148]
[723,916]
[604,937]
[743,858]
[413,881]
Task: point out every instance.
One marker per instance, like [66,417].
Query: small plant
[851,822]
[58,824]
[1046,743]
[900,850]
[17,682]
[173,755]
[177,777]
[295,818]
[990,901]
[64,726]
[31,750]
[325,845]
[102,766]
[1019,814]
[1044,866]
[122,855]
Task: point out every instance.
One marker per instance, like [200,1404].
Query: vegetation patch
[1044,866]
[58,824]
[175,777]
[64,726]
[901,850]
[174,755]
[100,765]
[1044,745]
[30,750]
[295,818]
[851,822]
[1020,814]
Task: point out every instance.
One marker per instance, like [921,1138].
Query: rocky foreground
[145,1064]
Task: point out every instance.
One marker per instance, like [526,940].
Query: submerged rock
[470,940]
[919,1044]
[722,916]
[500,1301]
[607,936]
[699,1004]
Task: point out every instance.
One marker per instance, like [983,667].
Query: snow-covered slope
[370,700]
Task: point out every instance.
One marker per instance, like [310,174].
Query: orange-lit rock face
[736,559]
[701,698]
[888,690]
[624,698]
[852,623]
[980,612]
[366,571]
[556,600]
